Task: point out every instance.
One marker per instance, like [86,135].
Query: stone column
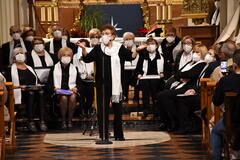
[7,18]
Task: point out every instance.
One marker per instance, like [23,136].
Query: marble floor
[143,142]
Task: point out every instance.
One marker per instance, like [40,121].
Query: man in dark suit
[58,42]
[17,41]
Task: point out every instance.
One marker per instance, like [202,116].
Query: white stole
[115,70]
[37,62]
[185,59]
[51,47]
[160,63]
[11,47]
[57,76]
[16,83]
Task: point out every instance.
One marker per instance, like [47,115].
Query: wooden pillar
[30,6]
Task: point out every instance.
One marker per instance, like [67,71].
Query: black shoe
[119,139]
[43,127]
[162,127]
[32,127]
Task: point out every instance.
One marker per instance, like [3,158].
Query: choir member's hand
[81,45]
[74,90]
[190,92]
[139,76]
[141,47]
[161,75]
[22,86]
[55,89]
[89,77]
[184,80]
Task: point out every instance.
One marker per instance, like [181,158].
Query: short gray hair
[228,48]
[128,33]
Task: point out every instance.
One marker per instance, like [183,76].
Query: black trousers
[103,102]
[87,95]
[185,109]
[167,105]
[30,98]
[150,87]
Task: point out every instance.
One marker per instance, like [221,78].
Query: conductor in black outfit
[109,57]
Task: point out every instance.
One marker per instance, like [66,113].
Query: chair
[11,145]
[231,102]
[2,125]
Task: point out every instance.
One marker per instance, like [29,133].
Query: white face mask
[94,41]
[39,47]
[16,36]
[105,39]
[187,48]
[170,39]
[29,38]
[196,57]
[65,37]
[66,59]
[151,48]
[128,43]
[20,58]
[208,58]
[57,34]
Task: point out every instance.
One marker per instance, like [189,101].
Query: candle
[43,14]
[158,12]
[169,7]
[164,12]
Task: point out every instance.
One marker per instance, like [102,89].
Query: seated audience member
[58,42]
[185,79]
[28,34]
[63,80]
[39,57]
[7,48]
[170,45]
[27,90]
[184,56]
[230,82]
[129,66]
[86,71]
[225,53]
[150,72]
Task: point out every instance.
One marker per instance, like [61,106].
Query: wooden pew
[11,145]
[203,104]
[2,126]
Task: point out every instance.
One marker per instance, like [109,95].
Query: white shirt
[185,58]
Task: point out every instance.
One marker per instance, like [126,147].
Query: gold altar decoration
[81,12]
[145,14]
[195,9]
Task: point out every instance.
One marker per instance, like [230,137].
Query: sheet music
[150,77]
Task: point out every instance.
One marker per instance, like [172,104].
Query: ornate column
[30,7]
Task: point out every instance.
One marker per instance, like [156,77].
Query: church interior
[119,79]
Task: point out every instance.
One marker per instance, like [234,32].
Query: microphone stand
[103,138]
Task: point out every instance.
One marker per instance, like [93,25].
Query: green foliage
[92,19]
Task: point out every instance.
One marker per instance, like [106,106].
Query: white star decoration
[115,25]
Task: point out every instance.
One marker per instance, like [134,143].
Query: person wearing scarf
[23,76]
[170,46]
[17,41]
[86,71]
[64,76]
[185,55]
[151,63]
[58,41]
[39,57]
[185,79]
[109,57]
[129,67]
